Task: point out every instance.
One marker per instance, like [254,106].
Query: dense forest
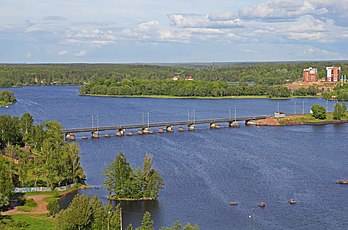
[35,155]
[180,88]
[78,74]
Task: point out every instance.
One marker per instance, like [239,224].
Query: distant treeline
[180,88]
[77,74]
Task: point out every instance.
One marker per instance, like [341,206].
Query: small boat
[160,130]
[292,201]
[181,129]
[140,132]
[217,126]
[262,204]
[84,138]
[233,203]
[147,131]
[342,182]
[129,134]
[107,135]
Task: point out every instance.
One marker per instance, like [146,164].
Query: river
[206,169]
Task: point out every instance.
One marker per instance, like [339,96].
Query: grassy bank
[28,222]
[300,119]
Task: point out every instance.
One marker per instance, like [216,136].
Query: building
[310,75]
[333,74]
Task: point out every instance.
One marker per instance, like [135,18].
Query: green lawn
[28,222]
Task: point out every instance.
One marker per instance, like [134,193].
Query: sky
[162,31]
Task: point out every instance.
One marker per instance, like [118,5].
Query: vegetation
[340,93]
[27,222]
[77,74]
[123,182]
[340,111]
[36,155]
[86,213]
[6,184]
[319,111]
[311,91]
[180,88]
[6,97]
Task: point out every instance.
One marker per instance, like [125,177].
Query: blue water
[206,169]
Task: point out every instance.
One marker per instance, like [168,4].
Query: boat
[118,134]
[84,138]
[262,204]
[140,132]
[160,130]
[233,203]
[292,201]
[129,134]
[181,129]
[342,182]
[107,135]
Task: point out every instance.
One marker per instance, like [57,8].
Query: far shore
[194,97]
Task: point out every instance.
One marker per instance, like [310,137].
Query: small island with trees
[124,183]
[318,116]
[7,98]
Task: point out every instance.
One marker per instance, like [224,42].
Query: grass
[307,118]
[3,104]
[28,222]
[27,205]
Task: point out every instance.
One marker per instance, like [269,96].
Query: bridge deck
[161,124]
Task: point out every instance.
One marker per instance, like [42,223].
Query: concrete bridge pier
[191,127]
[70,137]
[234,124]
[120,132]
[170,129]
[250,122]
[95,134]
[214,126]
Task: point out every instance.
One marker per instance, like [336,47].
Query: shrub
[319,111]
[53,207]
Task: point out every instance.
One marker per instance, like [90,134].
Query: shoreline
[295,120]
[196,97]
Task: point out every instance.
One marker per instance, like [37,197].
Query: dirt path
[40,209]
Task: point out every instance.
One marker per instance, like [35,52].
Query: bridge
[169,126]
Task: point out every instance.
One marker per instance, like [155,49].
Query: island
[7,98]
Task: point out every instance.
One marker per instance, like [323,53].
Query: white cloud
[194,21]
[63,52]
[281,10]
[81,53]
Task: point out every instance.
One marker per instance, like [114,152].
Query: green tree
[79,214]
[6,184]
[337,113]
[71,155]
[147,223]
[319,111]
[117,173]
[344,109]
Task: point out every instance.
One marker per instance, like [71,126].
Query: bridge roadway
[162,124]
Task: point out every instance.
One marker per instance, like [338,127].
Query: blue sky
[157,31]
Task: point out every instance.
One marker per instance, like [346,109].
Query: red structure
[333,74]
[310,75]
